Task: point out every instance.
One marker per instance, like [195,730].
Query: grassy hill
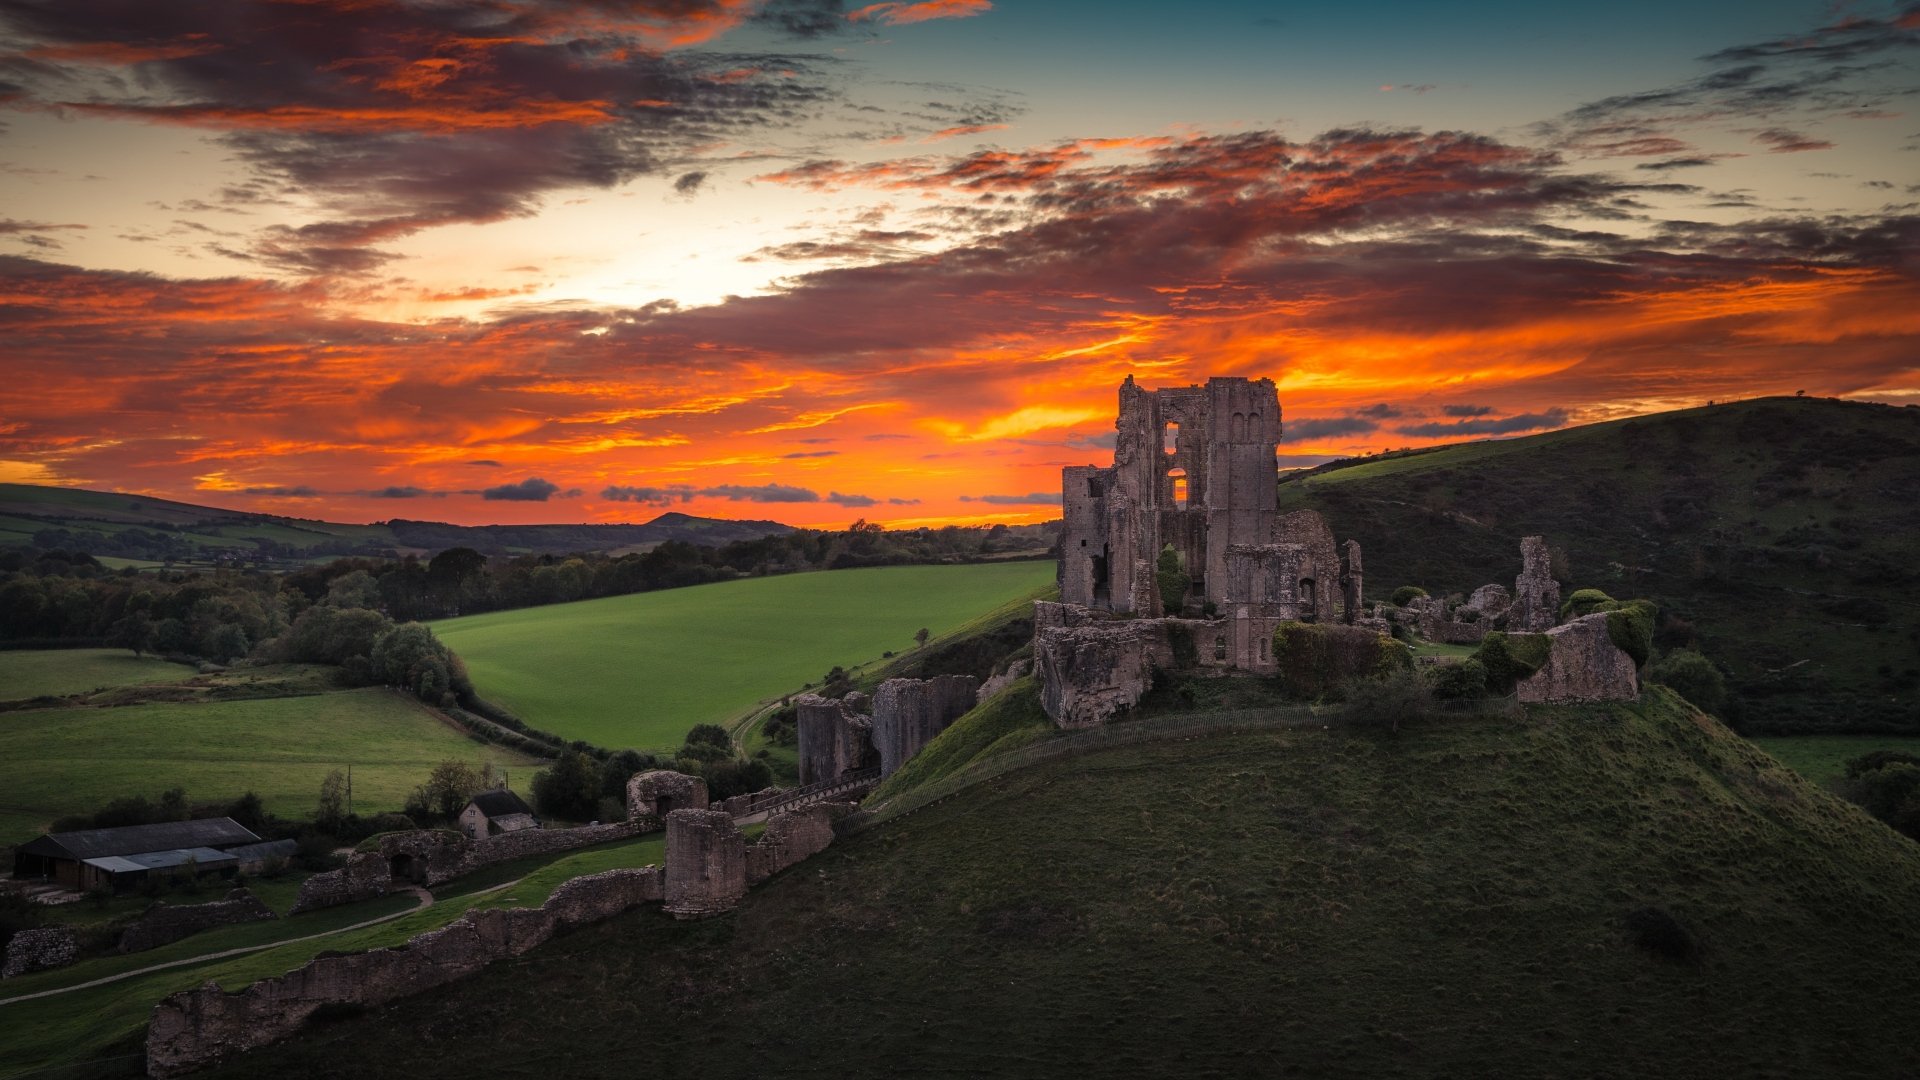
[1782,533]
[32,673]
[1459,900]
[140,528]
[640,670]
[73,760]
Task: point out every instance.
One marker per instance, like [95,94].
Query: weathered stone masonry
[164,923]
[706,863]
[908,713]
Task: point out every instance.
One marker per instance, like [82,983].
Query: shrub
[1387,701]
[1172,581]
[725,779]
[570,789]
[1508,658]
[1630,625]
[1659,932]
[1315,658]
[1583,602]
[1878,759]
[1693,677]
[1890,793]
[1466,679]
[1407,594]
[391,822]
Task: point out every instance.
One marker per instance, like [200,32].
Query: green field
[69,761]
[1821,758]
[32,673]
[1452,901]
[640,670]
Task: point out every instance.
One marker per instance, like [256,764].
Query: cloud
[651,496]
[398,492]
[1467,410]
[1783,141]
[486,463]
[1326,428]
[1038,498]
[1381,411]
[532,489]
[1505,425]
[298,491]
[761,493]
[812,454]
[903,502]
[852,500]
[804,18]
[901,14]
[688,183]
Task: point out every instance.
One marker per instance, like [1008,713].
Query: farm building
[494,812]
[121,859]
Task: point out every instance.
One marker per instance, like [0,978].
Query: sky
[525,260]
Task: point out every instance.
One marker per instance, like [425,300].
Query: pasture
[32,673]
[1823,758]
[70,761]
[640,670]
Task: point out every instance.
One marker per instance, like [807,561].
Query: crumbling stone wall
[1090,673]
[1491,602]
[196,1028]
[365,876]
[40,950]
[908,713]
[706,864]
[791,838]
[654,794]
[1350,581]
[1016,670]
[1536,595]
[1583,664]
[516,845]
[833,738]
[1321,568]
[164,923]
[740,805]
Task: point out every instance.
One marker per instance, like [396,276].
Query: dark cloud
[399,492]
[486,463]
[1038,498]
[852,500]
[761,493]
[1326,428]
[688,183]
[903,502]
[1504,425]
[804,18]
[651,496]
[299,491]
[532,489]
[1467,411]
[811,454]
[1382,411]
[1672,164]
[1783,141]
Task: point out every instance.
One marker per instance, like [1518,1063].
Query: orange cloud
[901,14]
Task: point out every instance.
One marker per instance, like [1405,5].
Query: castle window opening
[1179,477]
[1170,438]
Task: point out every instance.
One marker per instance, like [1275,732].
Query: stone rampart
[164,923]
[790,838]
[39,950]
[526,842]
[196,1028]
[833,737]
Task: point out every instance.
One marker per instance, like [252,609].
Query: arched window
[1179,478]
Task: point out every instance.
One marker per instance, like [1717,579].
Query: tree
[452,783]
[134,632]
[354,590]
[570,790]
[1694,677]
[1172,581]
[333,802]
[920,637]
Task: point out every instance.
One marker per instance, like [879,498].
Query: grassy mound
[1785,531]
[1620,890]
[640,670]
[76,760]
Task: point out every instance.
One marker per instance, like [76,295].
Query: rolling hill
[1782,535]
[1625,890]
[137,527]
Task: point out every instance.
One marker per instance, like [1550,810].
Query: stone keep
[833,738]
[1536,596]
[908,713]
[706,864]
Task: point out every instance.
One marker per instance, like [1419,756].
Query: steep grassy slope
[1785,531]
[1449,902]
[67,761]
[640,670]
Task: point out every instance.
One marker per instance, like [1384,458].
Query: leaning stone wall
[38,950]
[909,713]
[832,737]
[163,923]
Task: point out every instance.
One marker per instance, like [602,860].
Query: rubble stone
[1090,673]
[40,950]
[165,923]
[833,739]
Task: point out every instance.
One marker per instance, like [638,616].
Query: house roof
[500,803]
[86,844]
[265,850]
[203,858]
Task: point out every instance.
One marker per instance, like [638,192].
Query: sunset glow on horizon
[527,261]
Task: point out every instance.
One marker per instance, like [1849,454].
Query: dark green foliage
[1657,931]
[18,913]
[1890,792]
[1583,602]
[744,776]
[410,657]
[1172,580]
[619,768]
[1693,676]
[1453,682]
[1630,626]
[1186,654]
[1878,759]
[1509,658]
[710,734]
[1407,594]
[329,635]
[1386,702]
[570,789]
[1317,658]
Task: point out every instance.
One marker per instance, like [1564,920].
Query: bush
[1407,594]
[725,779]
[712,734]
[1316,658]
[1452,682]
[1172,581]
[1890,793]
[391,822]
[1509,658]
[1878,759]
[1693,677]
[570,789]
[1630,625]
[1583,602]
[1387,701]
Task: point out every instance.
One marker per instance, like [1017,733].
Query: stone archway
[407,868]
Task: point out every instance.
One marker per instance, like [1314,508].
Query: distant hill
[1624,890]
[1782,534]
[117,525]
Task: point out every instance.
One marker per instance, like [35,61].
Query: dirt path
[426,901]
